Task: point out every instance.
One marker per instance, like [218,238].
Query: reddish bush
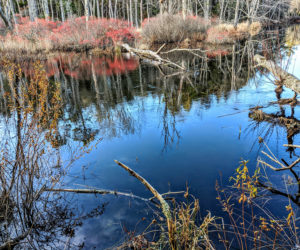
[217,52]
[221,34]
[43,34]
[87,66]
[227,33]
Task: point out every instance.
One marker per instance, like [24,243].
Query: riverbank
[105,36]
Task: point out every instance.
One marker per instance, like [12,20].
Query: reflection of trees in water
[107,89]
[265,124]
[38,216]
[30,164]
[283,115]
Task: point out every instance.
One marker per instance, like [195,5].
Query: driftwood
[165,206]
[287,79]
[152,56]
[290,123]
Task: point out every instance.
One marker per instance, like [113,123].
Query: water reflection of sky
[294,62]
[209,141]
[209,146]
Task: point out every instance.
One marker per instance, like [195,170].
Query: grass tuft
[167,28]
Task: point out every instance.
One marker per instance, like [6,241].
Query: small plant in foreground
[251,225]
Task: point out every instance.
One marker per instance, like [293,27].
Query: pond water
[175,129]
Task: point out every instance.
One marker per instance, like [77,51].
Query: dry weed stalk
[183,233]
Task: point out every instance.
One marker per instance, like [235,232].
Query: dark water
[175,130]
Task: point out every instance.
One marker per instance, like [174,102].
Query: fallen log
[150,55]
[287,79]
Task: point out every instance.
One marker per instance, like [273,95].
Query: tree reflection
[282,115]
[107,88]
[31,163]
[77,98]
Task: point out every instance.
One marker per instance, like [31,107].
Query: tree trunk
[69,10]
[236,13]
[86,9]
[207,8]
[62,10]
[222,11]
[46,9]
[32,10]
[184,8]
[141,12]
[4,18]
[98,8]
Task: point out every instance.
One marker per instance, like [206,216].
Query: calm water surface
[175,130]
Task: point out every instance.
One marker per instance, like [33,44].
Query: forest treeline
[135,11]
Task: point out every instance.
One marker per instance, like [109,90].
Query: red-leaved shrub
[43,34]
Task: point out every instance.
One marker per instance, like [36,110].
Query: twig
[11,243]
[275,191]
[96,191]
[288,80]
[159,50]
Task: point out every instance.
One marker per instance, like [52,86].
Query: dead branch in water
[109,192]
[290,123]
[165,206]
[152,56]
[96,191]
[287,79]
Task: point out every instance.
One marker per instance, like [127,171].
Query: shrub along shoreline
[105,36]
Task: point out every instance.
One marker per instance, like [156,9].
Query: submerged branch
[97,191]
[109,192]
[287,79]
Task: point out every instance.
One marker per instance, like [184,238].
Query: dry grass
[169,28]
[187,234]
[180,229]
[221,34]
[227,33]
[255,28]
[295,7]
[292,36]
